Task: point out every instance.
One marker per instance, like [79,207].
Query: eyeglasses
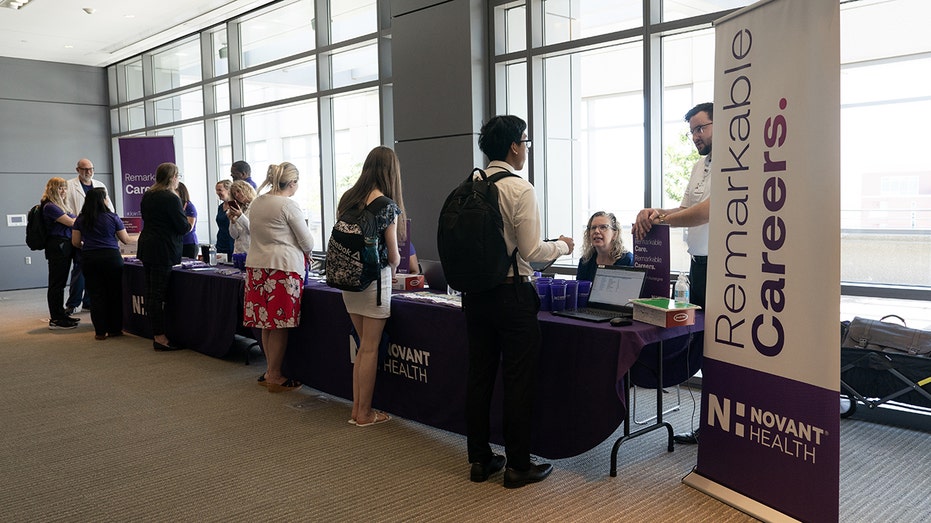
[528,142]
[699,129]
[86,169]
[601,227]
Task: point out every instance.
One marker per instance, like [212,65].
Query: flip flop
[261,380]
[288,384]
[352,422]
[376,420]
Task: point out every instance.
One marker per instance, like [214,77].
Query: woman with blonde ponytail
[280,247]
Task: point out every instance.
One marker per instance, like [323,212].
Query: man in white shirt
[696,202]
[77,190]
[692,213]
[501,323]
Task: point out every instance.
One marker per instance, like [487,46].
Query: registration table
[581,396]
[204,310]
[422,371]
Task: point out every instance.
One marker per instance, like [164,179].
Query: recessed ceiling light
[89,10]
[129,16]
[69,47]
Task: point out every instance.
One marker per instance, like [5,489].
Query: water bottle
[682,288]
[212,255]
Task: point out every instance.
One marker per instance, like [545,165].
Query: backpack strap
[373,207]
[503,173]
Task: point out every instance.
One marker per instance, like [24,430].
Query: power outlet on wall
[28,260]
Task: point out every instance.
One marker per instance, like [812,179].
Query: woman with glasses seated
[602,246]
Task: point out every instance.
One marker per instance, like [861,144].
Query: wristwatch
[662,218]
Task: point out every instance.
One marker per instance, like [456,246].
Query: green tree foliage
[678,159]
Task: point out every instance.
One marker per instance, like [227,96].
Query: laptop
[612,290]
[433,273]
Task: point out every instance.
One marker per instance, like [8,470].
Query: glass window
[221,96]
[515,29]
[355,66]
[352,18]
[224,148]
[688,80]
[295,79]
[179,107]
[885,191]
[132,117]
[177,66]
[277,33]
[516,91]
[131,76]
[679,9]
[220,52]
[356,130]
[593,112]
[288,133]
[565,20]
[190,156]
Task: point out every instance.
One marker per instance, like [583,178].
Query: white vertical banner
[770,405]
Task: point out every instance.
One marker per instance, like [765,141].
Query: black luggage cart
[874,378]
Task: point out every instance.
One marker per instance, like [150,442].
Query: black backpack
[470,235]
[36,231]
[352,262]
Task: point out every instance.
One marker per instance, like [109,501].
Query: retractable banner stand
[770,378]
[139,158]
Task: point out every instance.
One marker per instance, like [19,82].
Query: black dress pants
[103,275]
[156,294]
[59,253]
[502,327]
[698,280]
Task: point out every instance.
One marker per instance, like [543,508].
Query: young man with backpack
[501,322]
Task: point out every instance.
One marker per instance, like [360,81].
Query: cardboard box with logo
[407,282]
[664,312]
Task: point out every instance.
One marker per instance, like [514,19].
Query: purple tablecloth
[422,372]
[423,375]
[203,311]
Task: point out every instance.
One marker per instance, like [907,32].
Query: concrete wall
[440,79]
[52,116]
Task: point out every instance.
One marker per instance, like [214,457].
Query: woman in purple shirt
[96,232]
[58,251]
[189,241]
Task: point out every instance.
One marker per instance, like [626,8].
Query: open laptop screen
[616,286]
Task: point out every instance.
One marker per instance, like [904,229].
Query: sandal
[288,384]
[376,420]
[261,381]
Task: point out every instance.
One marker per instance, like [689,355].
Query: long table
[203,311]
[582,389]
[422,377]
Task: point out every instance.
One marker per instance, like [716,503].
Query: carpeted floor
[113,431]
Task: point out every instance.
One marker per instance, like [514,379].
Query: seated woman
[241,196]
[602,246]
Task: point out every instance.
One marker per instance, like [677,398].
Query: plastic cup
[572,293]
[558,295]
[543,291]
[585,288]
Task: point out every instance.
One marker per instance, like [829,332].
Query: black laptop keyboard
[606,313]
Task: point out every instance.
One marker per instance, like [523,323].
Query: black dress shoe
[687,438]
[481,471]
[519,478]
[164,348]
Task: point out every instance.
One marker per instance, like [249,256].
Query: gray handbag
[884,336]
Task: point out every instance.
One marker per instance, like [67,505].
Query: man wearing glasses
[501,323]
[692,213]
[78,188]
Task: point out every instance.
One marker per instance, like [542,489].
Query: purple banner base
[772,439]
